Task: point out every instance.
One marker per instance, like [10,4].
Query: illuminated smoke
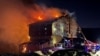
[14,28]
[14,23]
[43,13]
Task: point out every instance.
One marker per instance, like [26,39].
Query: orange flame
[56,16]
[39,18]
[24,49]
[42,13]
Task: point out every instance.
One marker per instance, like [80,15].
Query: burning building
[65,26]
[52,30]
[15,18]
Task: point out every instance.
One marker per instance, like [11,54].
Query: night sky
[87,12]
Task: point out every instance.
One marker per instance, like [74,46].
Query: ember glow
[24,49]
[56,16]
[39,18]
[29,38]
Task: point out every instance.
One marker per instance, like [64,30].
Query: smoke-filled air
[42,13]
[15,18]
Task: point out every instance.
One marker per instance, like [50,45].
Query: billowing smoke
[41,13]
[13,26]
[14,20]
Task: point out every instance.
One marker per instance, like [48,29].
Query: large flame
[42,13]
